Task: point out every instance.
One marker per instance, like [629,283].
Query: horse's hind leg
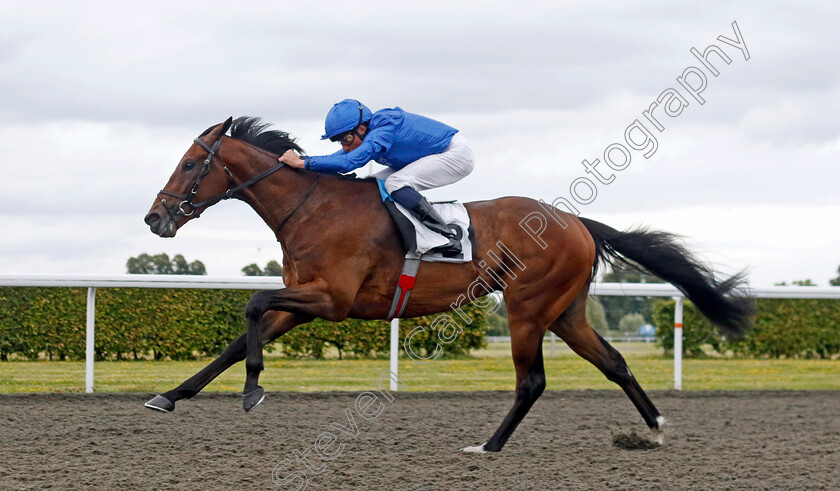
[275,325]
[574,329]
[526,346]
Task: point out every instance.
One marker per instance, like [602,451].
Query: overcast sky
[99,101]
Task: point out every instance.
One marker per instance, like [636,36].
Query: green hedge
[697,331]
[182,324]
[781,328]
[794,328]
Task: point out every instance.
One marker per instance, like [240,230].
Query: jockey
[420,154]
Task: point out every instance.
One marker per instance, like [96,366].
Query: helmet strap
[360,135]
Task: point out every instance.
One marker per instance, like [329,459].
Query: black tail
[725,303]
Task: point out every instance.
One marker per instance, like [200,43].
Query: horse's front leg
[308,300]
[275,325]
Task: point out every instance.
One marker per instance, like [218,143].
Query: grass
[489,369]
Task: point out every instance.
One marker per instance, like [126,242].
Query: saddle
[422,244]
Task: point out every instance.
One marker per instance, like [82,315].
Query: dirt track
[716,440]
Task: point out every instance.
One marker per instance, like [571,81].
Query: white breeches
[432,171]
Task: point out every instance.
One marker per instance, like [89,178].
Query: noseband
[187,207]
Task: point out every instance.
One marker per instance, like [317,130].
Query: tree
[497,324]
[595,315]
[697,333]
[631,323]
[807,282]
[835,281]
[252,270]
[272,268]
[617,307]
[161,264]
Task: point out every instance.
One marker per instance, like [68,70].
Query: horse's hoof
[658,433]
[252,399]
[160,403]
[476,449]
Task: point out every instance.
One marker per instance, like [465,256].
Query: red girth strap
[404,285]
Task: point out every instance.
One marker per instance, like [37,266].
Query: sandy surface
[716,440]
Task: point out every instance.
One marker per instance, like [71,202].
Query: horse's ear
[226,127]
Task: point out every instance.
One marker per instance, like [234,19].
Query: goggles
[346,138]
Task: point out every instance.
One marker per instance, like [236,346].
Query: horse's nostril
[152,218]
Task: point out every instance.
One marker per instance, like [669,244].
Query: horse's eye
[189,165]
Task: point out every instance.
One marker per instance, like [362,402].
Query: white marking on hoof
[160,403]
[478,449]
[248,410]
[659,431]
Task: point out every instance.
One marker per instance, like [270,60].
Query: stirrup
[453,247]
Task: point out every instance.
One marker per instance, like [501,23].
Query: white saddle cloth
[453,214]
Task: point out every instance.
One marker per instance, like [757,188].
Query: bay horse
[342,257]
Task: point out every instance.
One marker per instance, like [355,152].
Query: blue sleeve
[374,146]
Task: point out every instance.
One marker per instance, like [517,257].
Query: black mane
[255,132]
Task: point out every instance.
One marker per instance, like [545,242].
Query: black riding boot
[430,218]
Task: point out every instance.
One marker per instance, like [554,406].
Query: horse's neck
[301,206]
[277,197]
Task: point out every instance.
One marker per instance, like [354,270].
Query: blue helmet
[345,116]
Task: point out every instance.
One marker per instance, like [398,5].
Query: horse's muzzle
[161,225]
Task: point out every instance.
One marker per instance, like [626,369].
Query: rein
[186,199]
[296,208]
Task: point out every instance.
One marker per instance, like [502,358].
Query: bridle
[187,207]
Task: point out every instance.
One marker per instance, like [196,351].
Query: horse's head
[198,182]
